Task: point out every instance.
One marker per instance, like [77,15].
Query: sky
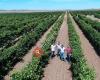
[48,4]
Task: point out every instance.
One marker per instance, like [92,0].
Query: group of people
[59,50]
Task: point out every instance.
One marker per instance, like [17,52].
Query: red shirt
[69,50]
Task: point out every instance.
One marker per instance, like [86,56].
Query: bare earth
[93,18]
[57,69]
[28,57]
[92,58]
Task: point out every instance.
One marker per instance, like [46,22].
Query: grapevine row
[14,31]
[92,35]
[94,24]
[80,69]
[11,55]
[34,70]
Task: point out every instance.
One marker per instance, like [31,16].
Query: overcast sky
[48,4]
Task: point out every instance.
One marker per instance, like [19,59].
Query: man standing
[58,48]
[62,52]
[52,50]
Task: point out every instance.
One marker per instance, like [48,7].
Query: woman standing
[62,52]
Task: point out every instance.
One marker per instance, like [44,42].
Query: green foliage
[94,24]
[80,69]
[35,71]
[16,25]
[92,35]
[9,56]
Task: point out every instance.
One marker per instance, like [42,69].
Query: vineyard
[20,33]
[27,33]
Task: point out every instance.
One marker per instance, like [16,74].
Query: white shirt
[52,47]
[59,46]
[62,50]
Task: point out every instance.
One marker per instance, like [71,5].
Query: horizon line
[45,9]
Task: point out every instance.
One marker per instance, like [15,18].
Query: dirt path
[92,58]
[28,57]
[57,69]
[93,18]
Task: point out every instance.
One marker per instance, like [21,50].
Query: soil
[90,54]
[57,69]
[28,57]
[93,18]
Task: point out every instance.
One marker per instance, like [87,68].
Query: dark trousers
[52,54]
[68,57]
[58,52]
[62,56]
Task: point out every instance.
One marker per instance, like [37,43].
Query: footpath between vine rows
[57,69]
[92,58]
[28,57]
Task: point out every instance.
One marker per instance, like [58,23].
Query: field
[21,33]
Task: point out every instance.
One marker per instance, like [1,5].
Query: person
[52,50]
[62,52]
[69,53]
[58,48]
